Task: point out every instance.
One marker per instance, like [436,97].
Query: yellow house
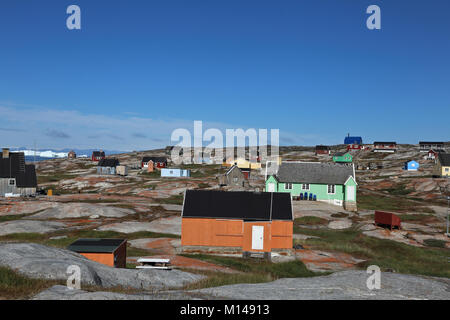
[442,167]
[241,163]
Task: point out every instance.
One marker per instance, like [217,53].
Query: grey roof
[444,159]
[314,172]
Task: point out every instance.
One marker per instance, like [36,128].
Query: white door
[257,237]
[271,187]
[350,193]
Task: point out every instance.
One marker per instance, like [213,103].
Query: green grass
[12,217]
[339,215]
[310,221]
[251,271]
[153,174]
[57,190]
[417,217]
[16,286]
[26,236]
[436,243]
[399,190]
[55,177]
[387,254]
[77,234]
[377,202]
[137,252]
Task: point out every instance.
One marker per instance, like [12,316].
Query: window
[305,186]
[12,182]
[331,189]
[447,169]
[288,186]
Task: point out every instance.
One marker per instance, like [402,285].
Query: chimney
[5,153]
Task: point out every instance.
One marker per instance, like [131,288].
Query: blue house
[411,165]
[173,172]
[353,142]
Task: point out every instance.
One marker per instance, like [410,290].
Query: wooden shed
[251,221]
[110,252]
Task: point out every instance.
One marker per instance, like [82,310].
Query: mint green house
[333,183]
[345,157]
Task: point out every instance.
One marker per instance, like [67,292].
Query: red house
[320,149]
[158,162]
[387,219]
[384,146]
[98,155]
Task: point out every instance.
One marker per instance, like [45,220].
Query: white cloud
[81,130]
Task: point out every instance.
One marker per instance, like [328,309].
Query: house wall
[122,170]
[235,233]
[121,256]
[106,170]
[235,178]
[168,172]
[320,190]
[117,259]
[103,258]
[6,188]
[214,232]
[282,234]
[345,158]
[441,170]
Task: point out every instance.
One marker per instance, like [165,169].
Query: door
[257,237]
[350,193]
[271,187]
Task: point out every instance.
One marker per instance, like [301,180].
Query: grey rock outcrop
[39,261]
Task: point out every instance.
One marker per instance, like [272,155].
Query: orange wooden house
[251,221]
[110,252]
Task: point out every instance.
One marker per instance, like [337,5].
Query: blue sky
[137,70]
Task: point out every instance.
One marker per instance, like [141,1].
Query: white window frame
[333,187]
[288,186]
[306,184]
[12,184]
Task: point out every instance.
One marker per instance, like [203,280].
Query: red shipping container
[388,219]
